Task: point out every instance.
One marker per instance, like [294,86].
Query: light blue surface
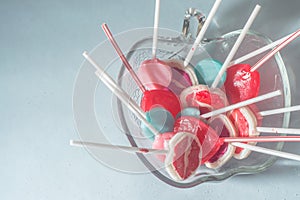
[41,45]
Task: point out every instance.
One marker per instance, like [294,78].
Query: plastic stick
[117,147]
[262,139]
[267,151]
[120,93]
[122,57]
[275,50]
[259,51]
[236,46]
[242,104]
[202,32]
[279,110]
[155,30]
[292,131]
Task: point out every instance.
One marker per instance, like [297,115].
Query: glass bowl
[100,119]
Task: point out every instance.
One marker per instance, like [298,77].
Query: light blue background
[40,51]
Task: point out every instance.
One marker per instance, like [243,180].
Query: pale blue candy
[206,71]
[189,111]
[161,119]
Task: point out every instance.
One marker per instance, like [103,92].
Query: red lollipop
[245,123]
[161,98]
[202,97]
[184,156]
[208,138]
[223,126]
[242,81]
[152,98]
[241,84]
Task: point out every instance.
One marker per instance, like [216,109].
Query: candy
[224,127]
[161,141]
[208,138]
[189,73]
[245,123]
[206,71]
[189,111]
[161,119]
[202,97]
[155,74]
[184,156]
[161,98]
[180,81]
[241,83]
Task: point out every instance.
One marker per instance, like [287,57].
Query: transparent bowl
[101,117]
[273,77]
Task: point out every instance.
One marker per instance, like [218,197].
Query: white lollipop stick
[291,131]
[267,151]
[275,50]
[262,139]
[118,147]
[120,93]
[155,30]
[202,32]
[259,51]
[242,104]
[236,46]
[279,111]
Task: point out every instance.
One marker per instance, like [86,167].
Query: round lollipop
[206,71]
[224,127]
[151,98]
[208,138]
[184,158]
[245,122]
[154,73]
[204,98]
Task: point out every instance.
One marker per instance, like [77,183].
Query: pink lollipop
[157,96]
[154,73]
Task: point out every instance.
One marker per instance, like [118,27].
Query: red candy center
[186,157]
[241,84]
[208,138]
[241,124]
[161,98]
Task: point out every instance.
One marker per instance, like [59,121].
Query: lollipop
[204,98]
[154,73]
[158,98]
[245,122]
[243,80]
[182,77]
[184,159]
[224,127]
[235,46]
[207,137]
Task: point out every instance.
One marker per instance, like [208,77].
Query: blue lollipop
[161,119]
[206,71]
